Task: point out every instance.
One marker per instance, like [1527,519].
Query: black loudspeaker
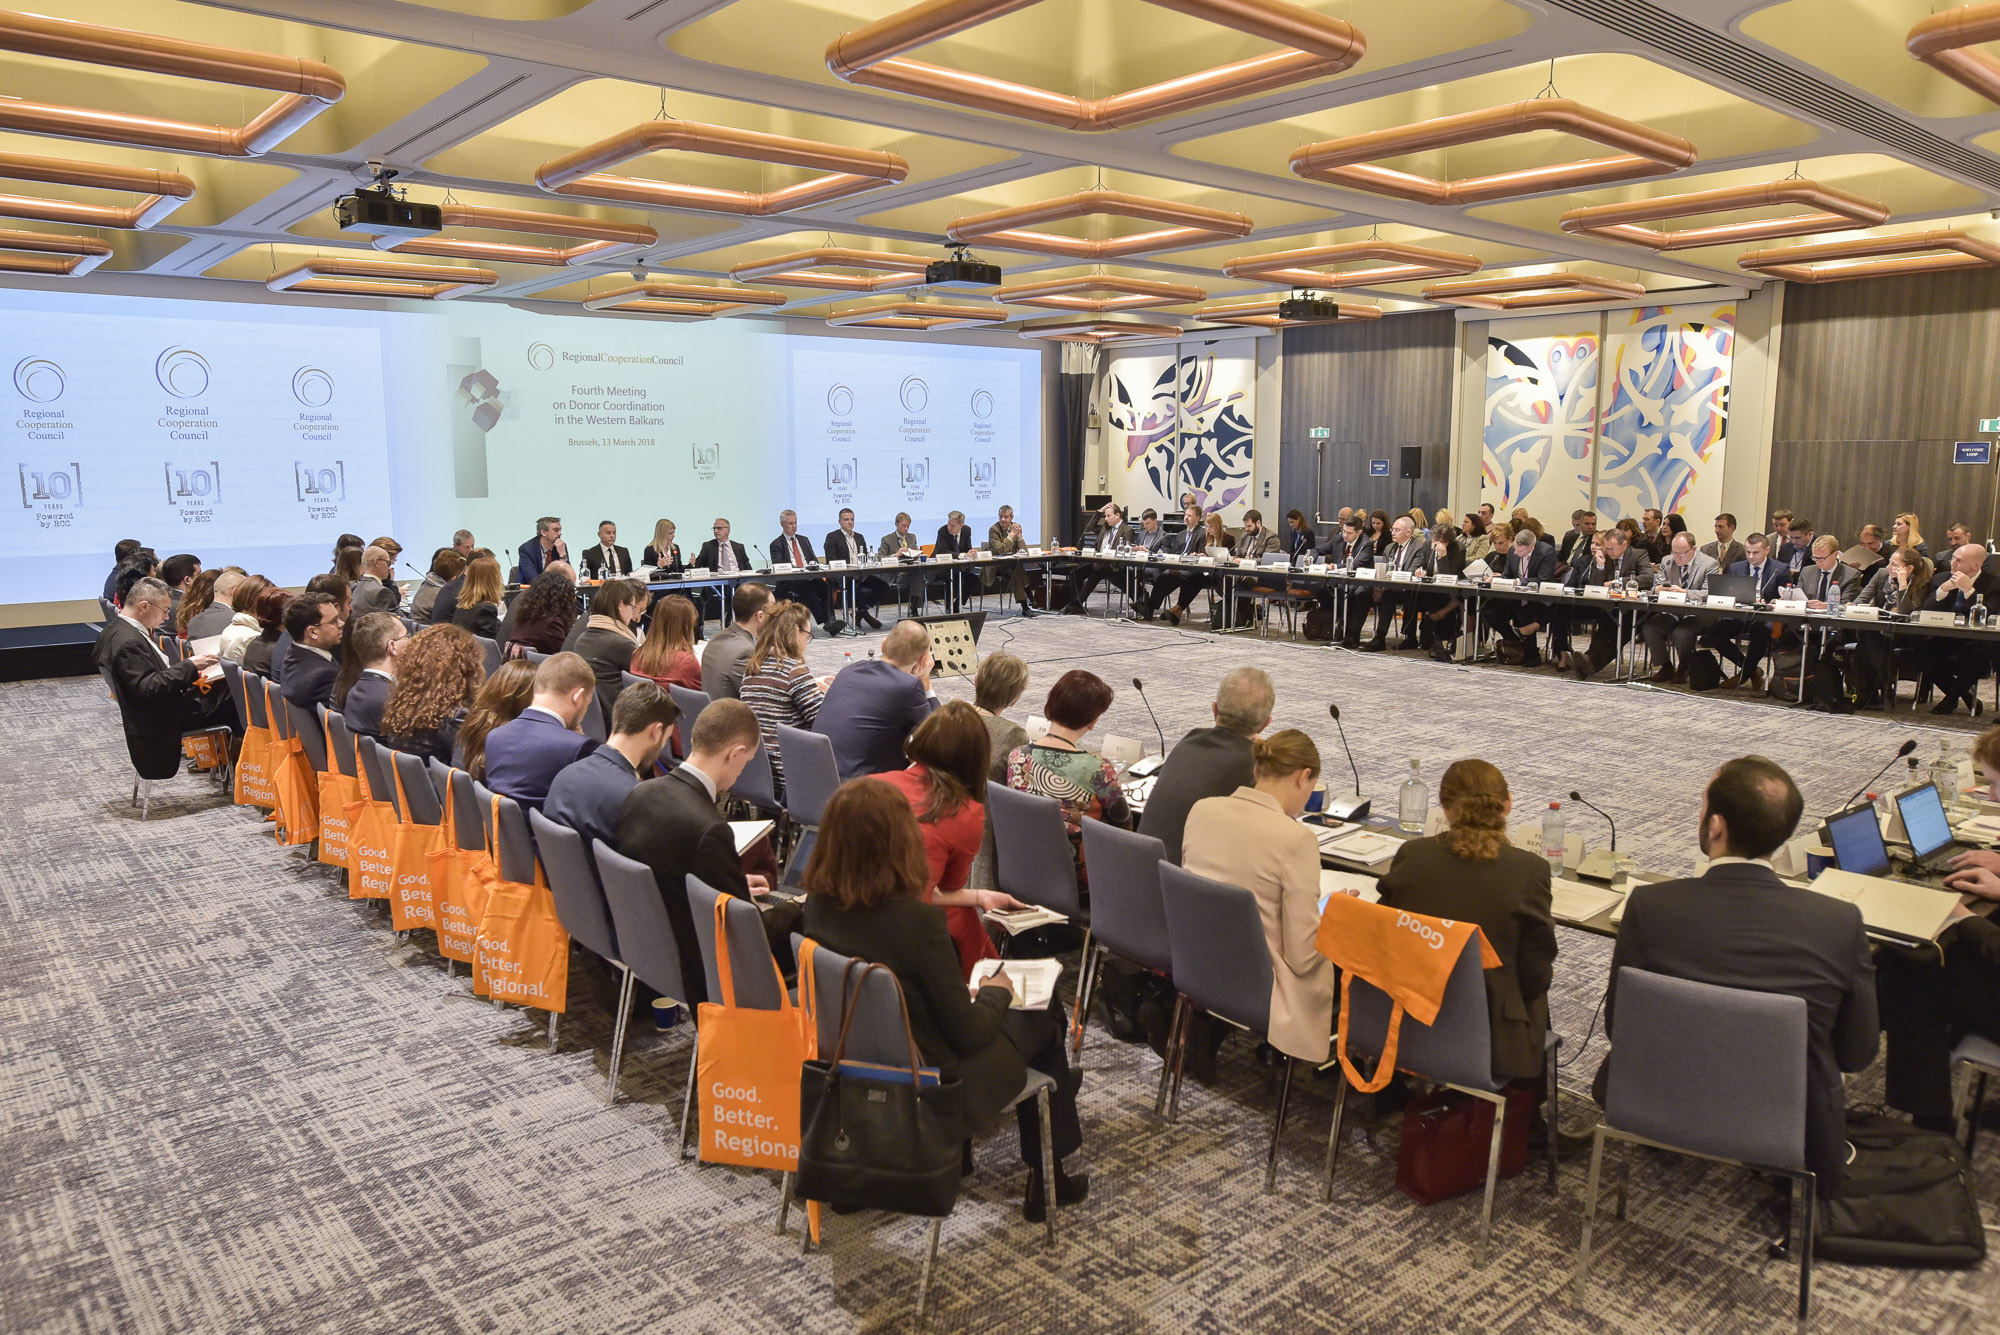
[1413,463]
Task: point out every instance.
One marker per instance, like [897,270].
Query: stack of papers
[1333,881]
[1364,847]
[1016,921]
[1034,980]
[1578,902]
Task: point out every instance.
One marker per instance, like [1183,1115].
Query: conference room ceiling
[469,99]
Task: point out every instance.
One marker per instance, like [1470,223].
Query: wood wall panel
[1876,379]
[1376,387]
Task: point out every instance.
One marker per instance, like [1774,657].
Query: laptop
[1931,842]
[1855,836]
[1743,588]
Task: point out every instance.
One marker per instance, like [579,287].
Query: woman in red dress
[946,784]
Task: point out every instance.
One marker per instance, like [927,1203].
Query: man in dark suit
[1210,762]
[1518,622]
[1956,665]
[1726,550]
[1106,532]
[671,824]
[722,662]
[523,757]
[157,699]
[872,706]
[538,552]
[844,544]
[721,552]
[788,548]
[315,623]
[1756,634]
[120,554]
[376,640]
[954,538]
[607,560]
[1406,552]
[376,590]
[1349,549]
[1576,542]
[589,796]
[1179,583]
[1740,926]
[1610,560]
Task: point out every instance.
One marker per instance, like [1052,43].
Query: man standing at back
[872,706]
[671,824]
[523,757]
[1210,762]
[722,661]
[1739,926]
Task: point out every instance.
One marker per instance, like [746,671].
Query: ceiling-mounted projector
[378,210]
[963,269]
[1306,306]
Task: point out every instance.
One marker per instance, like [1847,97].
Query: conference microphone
[1575,796]
[1600,865]
[1356,806]
[1140,687]
[1901,751]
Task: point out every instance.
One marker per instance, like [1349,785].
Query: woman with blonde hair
[1907,534]
[1473,873]
[662,553]
[1218,532]
[1252,838]
[777,684]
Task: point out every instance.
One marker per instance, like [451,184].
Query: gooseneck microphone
[1140,687]
[1901,751]
[1575,796]
[1346,808]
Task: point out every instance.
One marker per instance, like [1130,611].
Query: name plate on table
[1501,582]
[1935,618]
[838,565]
[783,569]
[1365,572]
[1720,600]
[1247,562]
[944,556]
[1597,591]
[1204,560]
[1674,597]
[1034,551]
[1549,586]
[1403,576]
[1316,568]
[1861,612]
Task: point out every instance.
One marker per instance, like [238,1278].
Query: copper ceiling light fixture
[1533,291]
[882,270]
[1187,225]
[1835,211]
[922,316]
[1263,314]
[852,171]
[1125,294]
[368,277]
[51,254]
[1350,162]
[1874,257]
[681,301]
[601,239]
[1946,43]
[161,192]
[307,86]
[1098,332]
[1313,46]
[1401,263]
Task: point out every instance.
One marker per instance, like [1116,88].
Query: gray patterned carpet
[231,1104]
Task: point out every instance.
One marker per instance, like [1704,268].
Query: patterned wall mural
[1665,419]
[1154,453]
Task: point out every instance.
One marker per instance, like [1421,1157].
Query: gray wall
[1376,387]
[1876,379]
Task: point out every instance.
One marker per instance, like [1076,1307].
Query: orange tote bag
[747,1071]
[1410,956]
[412,904]
[371,843]
[523,951]
[459,886]
[336,792]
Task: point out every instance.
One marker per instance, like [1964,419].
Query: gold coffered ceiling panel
[259,260]
[223,187]
[386,80]
[1087,48]
[1720,124]
[787,243]
[598,108]
[1489,252]
[1861,41]
[932,216]
[129,250]
[319,225]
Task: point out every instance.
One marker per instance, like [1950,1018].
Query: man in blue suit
[546,546]
[1770,575]
[523,757]
[872,707]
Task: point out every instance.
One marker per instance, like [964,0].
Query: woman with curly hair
[438,673]
[199,598]
[543,615]
[501,700]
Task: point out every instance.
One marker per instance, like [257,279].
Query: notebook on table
[1900,910]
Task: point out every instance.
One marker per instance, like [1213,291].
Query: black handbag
[879,1137]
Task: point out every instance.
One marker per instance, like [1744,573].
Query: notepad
[1333,881]
[1034,980]
[1365,847]
[748,832]
[1576,902]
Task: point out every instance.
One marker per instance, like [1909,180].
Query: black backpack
[1906,1199]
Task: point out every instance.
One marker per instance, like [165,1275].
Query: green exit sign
[1323,433]
[1989,424]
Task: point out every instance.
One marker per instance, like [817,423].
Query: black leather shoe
[1069,1191]
[868,620]
[1374,647]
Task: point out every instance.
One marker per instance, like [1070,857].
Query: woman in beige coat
[1253,838]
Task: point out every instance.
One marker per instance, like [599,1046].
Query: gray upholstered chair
[1127,916]
[755,784]
[490,648]
[343,743]
[580,908]
[1981,1056]
[811,776]
[690,703]
[648,949]
[375,768]
[1033,858]
[305,724]
[420,800]
[1715,1072]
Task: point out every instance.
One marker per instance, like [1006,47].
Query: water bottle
[1944,773]
[1979,612]
[1881,804]
[1413,799]
[1553,846]
[1832,597]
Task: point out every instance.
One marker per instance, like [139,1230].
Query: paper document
[1365,847]
[1333,881]
[1015,921]
[1034,980]
[1891,908]
[748,832]
[1577,902]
